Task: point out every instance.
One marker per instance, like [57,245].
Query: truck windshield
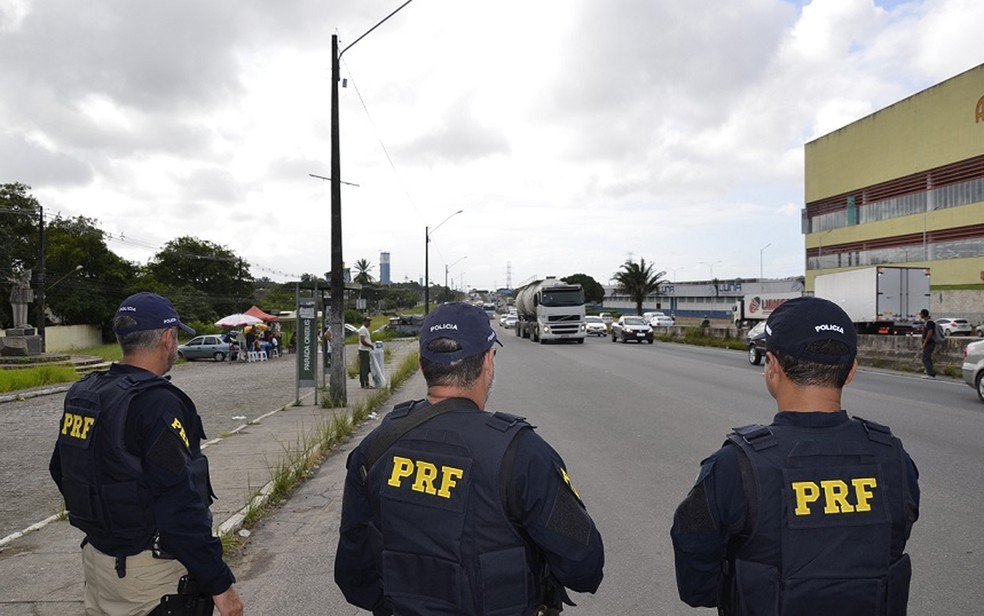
[567,297]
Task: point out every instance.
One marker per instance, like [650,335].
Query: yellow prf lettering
[806,492]
[567,480]
[424,481]
[862,488]
[424,476]
[177,426]
[402,467]
[77,426]
[835,495]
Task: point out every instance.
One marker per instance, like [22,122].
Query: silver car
[973,367]
[595,326]
[209,346]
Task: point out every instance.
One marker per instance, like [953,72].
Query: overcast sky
[574,134]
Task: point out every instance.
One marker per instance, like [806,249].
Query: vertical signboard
[307,343]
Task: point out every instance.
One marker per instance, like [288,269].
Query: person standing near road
[128,462]
[810,515]
[929,343]
[453,509]
[365,348]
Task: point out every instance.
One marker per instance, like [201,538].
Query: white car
[509,320]
[954,327]
[658,319]
[595,326]
[973,367]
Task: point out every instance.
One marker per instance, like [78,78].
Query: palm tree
[638,281]
[363,267]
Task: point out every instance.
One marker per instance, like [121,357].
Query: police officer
[128,462]
[450,509]
[809,515]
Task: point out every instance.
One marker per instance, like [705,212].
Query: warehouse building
[905,187]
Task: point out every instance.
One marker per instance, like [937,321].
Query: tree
[85,280]
[594,293]
[363,267]
[190,263]
[638,281]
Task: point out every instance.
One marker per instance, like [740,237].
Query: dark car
[632,328]
[756,343]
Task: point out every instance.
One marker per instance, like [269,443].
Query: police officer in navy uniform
[450,509]
[128,462]
[809,515]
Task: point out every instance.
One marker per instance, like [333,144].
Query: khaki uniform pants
[147,580]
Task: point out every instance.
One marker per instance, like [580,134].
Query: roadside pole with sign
[307,346]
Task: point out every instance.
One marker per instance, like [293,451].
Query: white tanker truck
[550,310]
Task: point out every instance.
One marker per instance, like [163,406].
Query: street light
[447,268]
[761,270]
[339,396]
[427,239]
[675,270]
[711,266]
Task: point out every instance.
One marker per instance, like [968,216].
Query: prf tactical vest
[442,538]
[100,478]
[827,519]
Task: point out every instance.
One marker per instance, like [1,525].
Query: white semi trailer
[549,310]
[880,300]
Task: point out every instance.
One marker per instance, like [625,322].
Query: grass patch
[26,378]
[109,352]
[307,453]
[696,337]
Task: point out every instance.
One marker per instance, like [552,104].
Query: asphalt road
[632,422]
[226,394]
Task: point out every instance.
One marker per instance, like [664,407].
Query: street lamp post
[710,266]
[447,268]
[338,392]
[761,267]
[427,238]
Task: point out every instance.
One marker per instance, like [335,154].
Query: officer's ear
[850,375]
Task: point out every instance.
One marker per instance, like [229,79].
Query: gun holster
[190,600]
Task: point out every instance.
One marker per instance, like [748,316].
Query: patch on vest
[430,479]
[76,426]
[834,496]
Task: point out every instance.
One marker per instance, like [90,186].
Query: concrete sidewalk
[41,572]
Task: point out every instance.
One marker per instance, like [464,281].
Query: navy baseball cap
[803,320]
[150,311]
[466,324]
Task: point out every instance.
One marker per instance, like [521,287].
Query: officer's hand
[229,603]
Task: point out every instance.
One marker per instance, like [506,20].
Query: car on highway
[658,319]
[954,327]
[209,346]
[973,367]
[756,343]
[631,328]
[508,321]
[595,326]
[607,318]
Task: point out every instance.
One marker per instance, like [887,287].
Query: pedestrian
[128,462]
[365,347]
[471,512]
[809,515]
[326,345]
[929,343]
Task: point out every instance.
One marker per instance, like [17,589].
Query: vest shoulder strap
[877,432]
[402,425]
[756,436]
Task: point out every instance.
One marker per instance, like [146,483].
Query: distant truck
[751,309]
[551,310]
[880,300]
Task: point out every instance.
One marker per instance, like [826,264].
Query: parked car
[210,346]
[658,319]
[631,328]
[954,327]
[756,343]
[595,326]
[973,367]
[979,330]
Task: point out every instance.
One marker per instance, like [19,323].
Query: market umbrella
[237,320]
